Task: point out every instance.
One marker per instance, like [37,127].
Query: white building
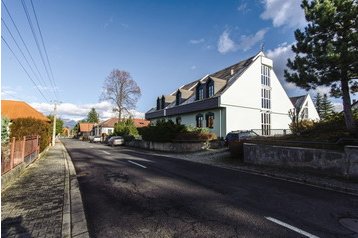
[244,96]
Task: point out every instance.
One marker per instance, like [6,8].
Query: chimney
[232,71]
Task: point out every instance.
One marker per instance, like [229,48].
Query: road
[129,193]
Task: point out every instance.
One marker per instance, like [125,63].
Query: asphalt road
[129,193]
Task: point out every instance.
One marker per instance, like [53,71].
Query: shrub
[4,130]
[195,136]
[29,126]
[126,128]
[301,126]
[162,131]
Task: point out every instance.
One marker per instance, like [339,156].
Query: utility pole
[54,125]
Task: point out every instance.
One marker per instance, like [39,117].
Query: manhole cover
[350,223]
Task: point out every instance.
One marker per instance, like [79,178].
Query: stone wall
[342,164]
[178,147]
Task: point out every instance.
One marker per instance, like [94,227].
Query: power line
[2,20]
[28,75]
[27,49]
[37,44]
[43,43]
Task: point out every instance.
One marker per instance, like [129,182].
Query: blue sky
[163,44]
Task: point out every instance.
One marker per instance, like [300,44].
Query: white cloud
[247,42]
[78,112]
[243,7]
[193,67]
[284,13]
[279,57]
[197,41]
[226,44]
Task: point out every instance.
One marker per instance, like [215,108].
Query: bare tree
[122,91]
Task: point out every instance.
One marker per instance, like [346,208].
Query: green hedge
[29,126]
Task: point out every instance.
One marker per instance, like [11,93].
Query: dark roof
[226,73]
[298,100]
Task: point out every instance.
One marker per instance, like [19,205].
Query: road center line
[106,152]
[302,232]
[137,164]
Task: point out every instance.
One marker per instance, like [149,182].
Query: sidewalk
[45,200]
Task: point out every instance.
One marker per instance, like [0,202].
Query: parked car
[116,140]
[240,135]
[95,139]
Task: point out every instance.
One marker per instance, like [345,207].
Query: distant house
[243,96]
[85,130]
[305,107]
[18,109]
[355,105]
[107,127]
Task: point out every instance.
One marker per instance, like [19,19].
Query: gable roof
[18,109]
[138,122]
[298,101]
[109,123]
[86,127]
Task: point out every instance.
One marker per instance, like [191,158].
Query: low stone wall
[177,147]
[342,164]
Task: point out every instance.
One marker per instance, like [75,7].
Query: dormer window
[210,89]
[178,97]
[199,92]
[163,102]
[158,103]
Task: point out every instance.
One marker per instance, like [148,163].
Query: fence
[18,151]
[272,132]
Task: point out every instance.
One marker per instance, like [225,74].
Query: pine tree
[326,52]
[318,104]
[93,116]
[327,107]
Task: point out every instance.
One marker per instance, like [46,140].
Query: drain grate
[350,223]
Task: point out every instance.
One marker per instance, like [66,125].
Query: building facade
[244,96]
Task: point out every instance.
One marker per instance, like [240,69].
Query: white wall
[312,112]
[243,100]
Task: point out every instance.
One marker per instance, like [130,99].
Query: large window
[209,119]
[210,89]
[199,120]
[265,75]
[266,123]
[305,112]
[266,98]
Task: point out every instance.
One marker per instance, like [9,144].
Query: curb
[74,223]
[304,181]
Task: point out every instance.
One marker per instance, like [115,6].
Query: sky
[163,44]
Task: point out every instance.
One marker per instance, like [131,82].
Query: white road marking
[137,164]
[106,152]
[302,232]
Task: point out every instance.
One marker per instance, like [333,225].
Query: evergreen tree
[327,107]
[318,104]
[326,52]
[93,116]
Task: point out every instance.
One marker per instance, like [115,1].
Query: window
[210,89]
[178,120]
[305,112]
[178,97]
[209,120]
[158,104]
[109,131]
[265,98]
[163,102]
[266,123]
[265,75]
[199,120]
[199,92]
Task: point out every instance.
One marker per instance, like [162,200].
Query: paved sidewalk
[39,204]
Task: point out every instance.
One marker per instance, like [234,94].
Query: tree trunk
[348,115]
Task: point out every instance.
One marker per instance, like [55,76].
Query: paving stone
[32,206]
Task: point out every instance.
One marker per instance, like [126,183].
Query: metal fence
[17,151]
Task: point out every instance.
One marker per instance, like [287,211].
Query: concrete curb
[305,181]
[74,219]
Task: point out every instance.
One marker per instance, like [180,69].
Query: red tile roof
[18,109]
[86,127]
[140,122]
